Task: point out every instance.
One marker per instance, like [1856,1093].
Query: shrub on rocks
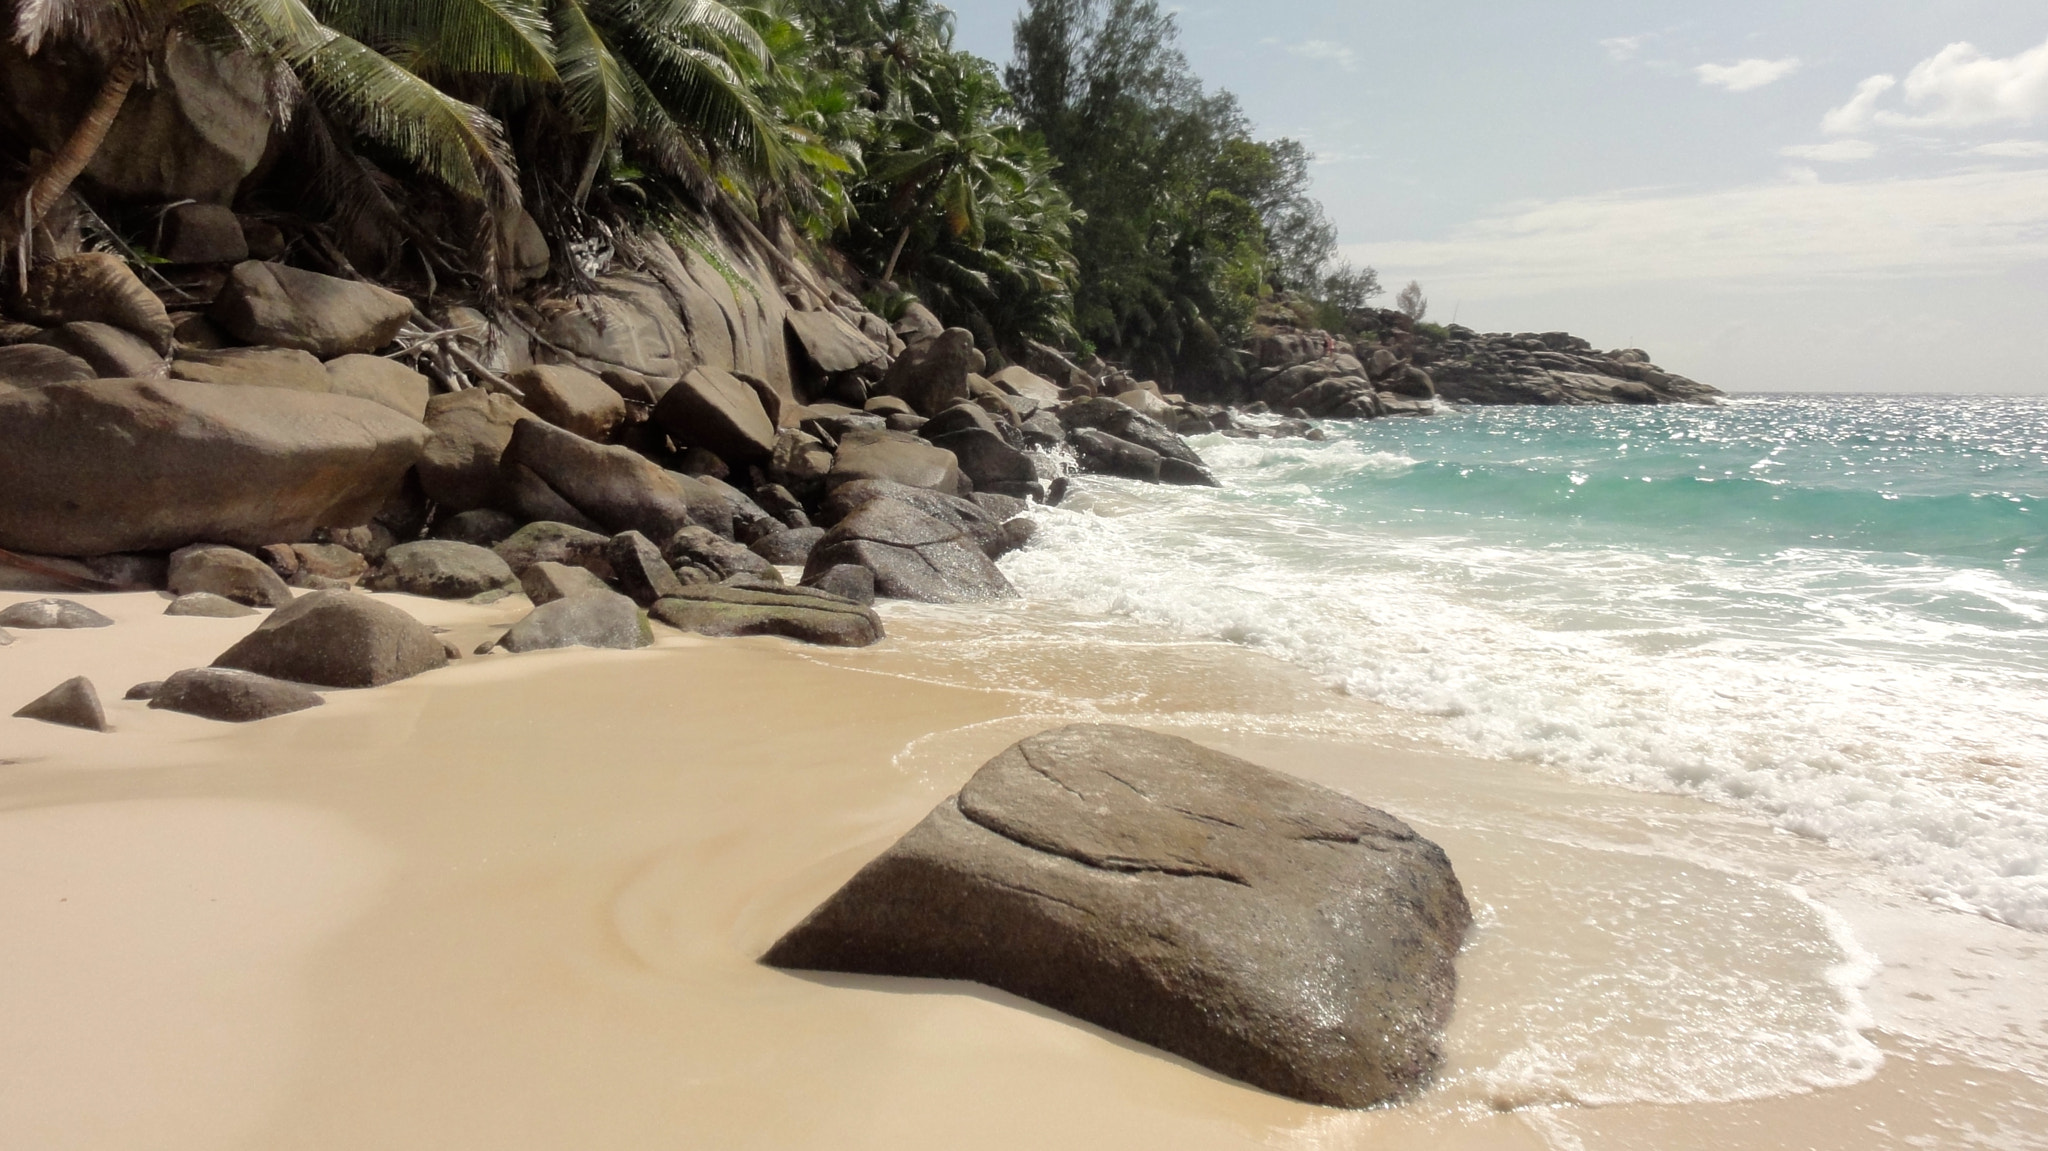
[336,639]
[1264,927]
[441,569]
[230,696]
[230,573]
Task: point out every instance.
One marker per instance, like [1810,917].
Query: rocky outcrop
[207,605]
[714,410]
[802,614]
[1266,928]
[897,457]
[552,474]
[1550,368]
[125,465]
[114,353]
[459,467]
[912,555]
[98,288]
[547,581]
[601,620]
[72,703]
[57,614]
[33,365]
[230,573]
[548,542]
[231,695]
[571,398]
[335,639]
[287,307]
[931,374]
[441,569]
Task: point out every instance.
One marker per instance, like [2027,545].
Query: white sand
[517,904]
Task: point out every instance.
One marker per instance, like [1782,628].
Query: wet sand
[517,904]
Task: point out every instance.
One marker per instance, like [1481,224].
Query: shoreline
[523,896]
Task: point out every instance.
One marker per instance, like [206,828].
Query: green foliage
[1187,219]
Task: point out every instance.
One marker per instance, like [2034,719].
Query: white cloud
[1957,87]
[1833,152]
[1855,116]
[2011,149]
[1328,50]
[1622,49]
[1792,232]
[1746,75]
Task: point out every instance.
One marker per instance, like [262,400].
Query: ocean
[1830,612]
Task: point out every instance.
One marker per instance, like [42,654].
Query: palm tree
[948,156]
[376,95]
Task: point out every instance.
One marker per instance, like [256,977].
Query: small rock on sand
[52,613]
[72,703]
[230,695]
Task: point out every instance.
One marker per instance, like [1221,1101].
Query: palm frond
[456,143]
[596,88]
[502,38]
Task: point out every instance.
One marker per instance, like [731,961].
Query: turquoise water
[1829,611]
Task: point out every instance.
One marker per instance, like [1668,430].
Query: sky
[1822,196]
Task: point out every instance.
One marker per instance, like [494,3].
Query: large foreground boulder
[336,639]
[1264,927]
[128,465]
[913,555]
[265,303]
[803,614]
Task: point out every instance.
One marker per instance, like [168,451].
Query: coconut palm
[374,94]
[947,156]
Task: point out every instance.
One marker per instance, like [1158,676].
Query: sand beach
[519,903]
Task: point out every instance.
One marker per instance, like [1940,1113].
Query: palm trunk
[889,272]
[56,176]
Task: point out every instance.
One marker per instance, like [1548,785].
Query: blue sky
[1827,196]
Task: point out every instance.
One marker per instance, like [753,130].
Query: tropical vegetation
[1092,194]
